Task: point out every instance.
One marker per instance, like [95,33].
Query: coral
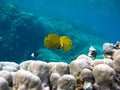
[116,67]
[52,41]
[104,76]
[83,56]
[66,82]
[4,84]
[57,69]
[61,68]
[79,85]
[116,64]
[9,66]
[65,43]
[24,80]
[23,33]
[8,76]
[40,69]
[116,53]
[24,65]
[81,62]
[108,62]
[92,52]
[86,76]
[108,50]
[77,66]
[54,80]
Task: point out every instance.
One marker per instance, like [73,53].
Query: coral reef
[83,73]
[91,64]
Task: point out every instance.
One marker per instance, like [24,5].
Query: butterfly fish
[53,41]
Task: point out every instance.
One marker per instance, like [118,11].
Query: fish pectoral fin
[61,43]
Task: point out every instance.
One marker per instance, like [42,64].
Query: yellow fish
[65,43]
[53,41]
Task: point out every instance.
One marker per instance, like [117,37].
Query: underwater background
[25,23]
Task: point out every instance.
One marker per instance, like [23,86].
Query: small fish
[35,54]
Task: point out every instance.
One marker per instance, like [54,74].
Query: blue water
[86,22]
[103,15]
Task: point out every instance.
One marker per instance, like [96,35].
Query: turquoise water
[103,15]
[25,23]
